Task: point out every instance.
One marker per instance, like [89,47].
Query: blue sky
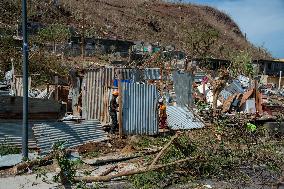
[261,20]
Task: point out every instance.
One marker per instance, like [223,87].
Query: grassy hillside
[153,21]
[201,31]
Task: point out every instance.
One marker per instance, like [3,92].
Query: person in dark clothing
[113,109]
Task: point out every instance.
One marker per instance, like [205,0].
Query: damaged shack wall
[12,108]
[75,94]
[17,85]
[97,89]
[183,88]
[96,93]
[275,80]
[152,74]
[139,109]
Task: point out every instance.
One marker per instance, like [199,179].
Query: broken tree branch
[108,171]
[164,149]
[117,158]
[22,167]
[89,179]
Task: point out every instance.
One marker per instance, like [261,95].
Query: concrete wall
[11,107]
[265,79]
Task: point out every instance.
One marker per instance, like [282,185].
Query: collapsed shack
[140,91]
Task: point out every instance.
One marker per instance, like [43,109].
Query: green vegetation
[6,148]
[92,154]
[147,141]
[148,180]
[234,154]
[67,167]
[241,64]
[200,41]
[44,64]
[54,33]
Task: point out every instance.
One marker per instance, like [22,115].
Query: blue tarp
[115,82]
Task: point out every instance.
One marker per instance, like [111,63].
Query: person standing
[113,109]
[162,115]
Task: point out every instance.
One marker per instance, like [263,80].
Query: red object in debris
[267,110]
[205,80]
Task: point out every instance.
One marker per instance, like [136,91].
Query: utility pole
[25,81]
[83,31]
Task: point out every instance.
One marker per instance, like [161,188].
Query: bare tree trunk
[164,149]
[215,100]
[89,179]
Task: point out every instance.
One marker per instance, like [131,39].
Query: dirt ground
[113,145]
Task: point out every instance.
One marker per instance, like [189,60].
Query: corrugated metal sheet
[225,94]
[139,109]
[11,133]
[74,134]
[13,159]
[96,91]
[245,81]
[96,88]
[152,74]
[4,93]
[124,73]
[183,88]
[235,87]
[198,77]
[138,75]
[181,118]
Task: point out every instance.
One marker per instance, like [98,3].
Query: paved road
[26,182]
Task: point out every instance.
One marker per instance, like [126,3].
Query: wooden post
[204,91]
[47,87]
[256,97]
[120,107]
[56,87]
[161,81]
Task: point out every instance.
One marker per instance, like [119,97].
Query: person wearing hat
[113,109]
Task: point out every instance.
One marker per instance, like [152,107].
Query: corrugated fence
[152,74]
[96,91]
[96,88]
[183,88]
[139,109]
